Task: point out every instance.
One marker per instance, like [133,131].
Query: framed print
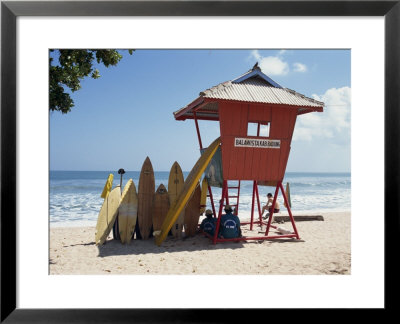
[366,33]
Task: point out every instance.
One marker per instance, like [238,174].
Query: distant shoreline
[75,195]
[288,172]
[245,216]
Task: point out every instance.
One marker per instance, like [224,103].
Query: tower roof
[256,73]
[252,87]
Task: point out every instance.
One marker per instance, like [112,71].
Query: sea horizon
[340,172]
[75,196]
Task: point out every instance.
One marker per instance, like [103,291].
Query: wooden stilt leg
[211,200]
[224,192]
[289,211]
[258,204]
[252,207]
[272,208]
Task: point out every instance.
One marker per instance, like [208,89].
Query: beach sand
[324,248]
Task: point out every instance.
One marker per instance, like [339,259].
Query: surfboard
[107,186]
[108,214]
[161,206]
[106,190]
[203,199]
[192,212]
[175,186]
[145,196]
[127,213]
[115,230]
[287,192]
[189,186]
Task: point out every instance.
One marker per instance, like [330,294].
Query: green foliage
[72,67]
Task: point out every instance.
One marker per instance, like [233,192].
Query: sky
[127,114]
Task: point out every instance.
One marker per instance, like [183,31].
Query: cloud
[299,67]
[271,65]
[276,65]
[333,123]
[255,54]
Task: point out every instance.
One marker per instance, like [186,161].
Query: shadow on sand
[170,245]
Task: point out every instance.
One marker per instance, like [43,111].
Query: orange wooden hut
[257,118]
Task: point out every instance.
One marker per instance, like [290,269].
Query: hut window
[252,129]
[258,129]
[264,130]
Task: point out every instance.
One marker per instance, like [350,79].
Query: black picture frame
[10,10]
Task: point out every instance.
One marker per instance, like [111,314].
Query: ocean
[75,195]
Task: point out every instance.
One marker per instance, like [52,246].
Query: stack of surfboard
[144,212]
[189,187]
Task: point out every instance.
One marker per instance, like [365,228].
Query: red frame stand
[225,197]
[259,222]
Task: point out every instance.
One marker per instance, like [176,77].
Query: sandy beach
[324,248]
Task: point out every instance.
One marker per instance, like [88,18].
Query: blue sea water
[75,195]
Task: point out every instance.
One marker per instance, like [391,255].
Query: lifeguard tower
[257,118]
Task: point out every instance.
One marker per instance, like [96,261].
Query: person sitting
[208,224]
[269,206]
[230,224]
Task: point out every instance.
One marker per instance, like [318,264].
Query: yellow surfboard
[203,199]
[107,186]
[189,186]
[108,214]
[127,213]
